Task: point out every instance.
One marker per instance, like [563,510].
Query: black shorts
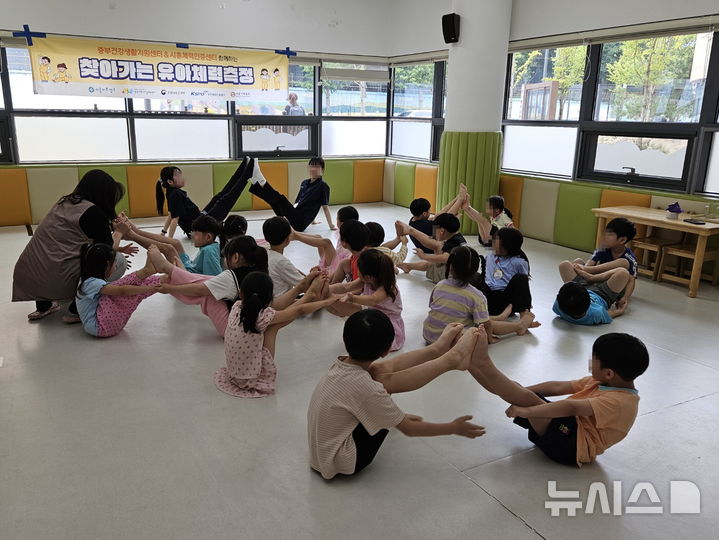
[559,442]
[602,289]
[367,445]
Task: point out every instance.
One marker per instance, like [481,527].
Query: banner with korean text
[85,67]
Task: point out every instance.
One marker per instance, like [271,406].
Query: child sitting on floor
[234,225]
[375,287]
[422,219]
[252,332]
[351,411]
[331,255]
[455,300]
[588,298]
[499,217]
[446,238]
[354,237]
[376,241]
[104,308]
[284,274]
[597,415]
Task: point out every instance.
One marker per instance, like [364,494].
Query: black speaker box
[450,27]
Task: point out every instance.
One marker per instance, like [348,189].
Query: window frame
[698,134]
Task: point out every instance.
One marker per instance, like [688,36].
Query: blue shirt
[501,269]
[87,300]
[207,261]
[601,256]
[596,314]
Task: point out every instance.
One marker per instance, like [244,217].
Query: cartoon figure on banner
[62,75]
[264,79]
[44,69]
[277,78]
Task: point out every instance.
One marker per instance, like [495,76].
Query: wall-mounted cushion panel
[575,225]
[46,185]
[367,184]
[276,174]
[296,173]
[119,173]
[510,187]
[141,181]
[425,184]
[221,173]
[698,207]
[388,184]
[15,200]
[616,197]
[404,184]
[198,184]
[539,201]
[340,177]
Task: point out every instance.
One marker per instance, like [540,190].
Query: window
[412,91]
[541,149]
[655,79]
[411,139]
[644,156]
[354,98]
[712,180]
[546,84]
[173,138]
[353,137]
[197,106]
[23,97]
[61,138]
[275,138]
[301,83]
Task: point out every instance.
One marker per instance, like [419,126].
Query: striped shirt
[345,397]
[396,256]
[451,302]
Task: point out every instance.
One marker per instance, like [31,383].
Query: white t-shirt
[223,286]
[284,274]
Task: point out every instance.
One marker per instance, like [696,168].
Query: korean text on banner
[84,67]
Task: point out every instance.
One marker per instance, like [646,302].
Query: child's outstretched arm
[284,300]
[299,309]
[601,268]
[415,426]
[424,239]
[127,290]
[482,222]
[552,388]
[558,409]
[343,288]
[328,216]
[368,300]
[440,258]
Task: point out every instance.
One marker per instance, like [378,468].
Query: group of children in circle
[250,291]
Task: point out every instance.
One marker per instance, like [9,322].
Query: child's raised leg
[567,271]
[408,267]
[493,380]
[417,376]
[520,327]
[325,248]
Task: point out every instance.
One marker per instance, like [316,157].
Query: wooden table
[657,218]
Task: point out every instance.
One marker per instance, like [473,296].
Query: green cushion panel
[403,183]
[340,177]
[575,225]
[388,183]
[221,173]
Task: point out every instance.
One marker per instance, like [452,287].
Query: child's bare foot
[149,268]
[462,351]
[448,338]
[480,355]
[504,315]
[526,321]
[159,263]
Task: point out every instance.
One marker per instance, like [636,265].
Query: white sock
[257,176]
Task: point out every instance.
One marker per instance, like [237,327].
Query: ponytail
[94,259]
[508,212]
[462,264]
[377,265]
[256,291]
[166,175]
[255,256]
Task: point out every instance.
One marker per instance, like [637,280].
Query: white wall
[537,18]
[332,26]
[416,25]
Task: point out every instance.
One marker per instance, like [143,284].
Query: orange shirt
[615,410]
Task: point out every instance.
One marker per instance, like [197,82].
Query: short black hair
[368,334]
[346,213]
[573,299]
[207,224]
[376,234]
[355,233]
[623,353]
[496,202]
[449,222]
[276,230]
[622,227]
[316,161]
[419,206]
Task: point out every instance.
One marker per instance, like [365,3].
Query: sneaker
[71,319]
[37,315]
[257,176]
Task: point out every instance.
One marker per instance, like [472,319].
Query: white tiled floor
[128,437]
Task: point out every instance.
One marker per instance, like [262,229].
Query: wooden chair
[649,245]
[686,250]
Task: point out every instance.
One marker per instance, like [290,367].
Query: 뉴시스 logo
[163,91]
[90,89]
[684,498]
